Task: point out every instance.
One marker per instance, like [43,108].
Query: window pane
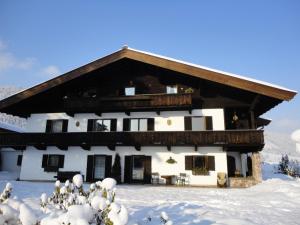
[134,125]
[53,160]
[99,172]
[143,125]
[57,126]
[198,123]
[129,91]
[101,125]
[171,89]
[199,161]
[106,125]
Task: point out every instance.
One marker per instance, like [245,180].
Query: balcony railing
[128,103]
[232,138]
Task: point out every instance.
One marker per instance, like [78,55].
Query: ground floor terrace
[158,165]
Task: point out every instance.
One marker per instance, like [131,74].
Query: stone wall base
[242,182]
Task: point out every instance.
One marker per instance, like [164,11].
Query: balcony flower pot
[200,171]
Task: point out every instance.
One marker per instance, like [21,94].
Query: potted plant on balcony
[200,171]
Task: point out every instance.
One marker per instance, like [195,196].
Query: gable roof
[218,76]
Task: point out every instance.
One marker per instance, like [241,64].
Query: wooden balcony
[231,138]
[128,103]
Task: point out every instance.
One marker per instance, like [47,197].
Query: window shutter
[150,124]
[61,161]
[108,160]
[208,122]
[126,124]
[147,169]
[188,162]
[90,125]
[113,125]
[45,161]
[90,168]
[128,169]
[65,126]
[19,161]
[48,126]
[187,123]
[211,163]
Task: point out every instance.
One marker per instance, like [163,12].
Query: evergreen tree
[116,169]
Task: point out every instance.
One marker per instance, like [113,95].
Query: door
[98,167]
[231,166]
[137,169]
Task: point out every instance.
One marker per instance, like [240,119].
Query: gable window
[56,126]
[206,163]
[129,91]
[198,123]
[102,125]
[172,89]
[138,124]
[51,163]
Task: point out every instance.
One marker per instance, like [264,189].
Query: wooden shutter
[108,160]
[45,161]
[126,124]
[211,163]
[150,124]
[61,161]
[90,125]
[90,168]
[48,126]
[188,162]
[208,122]
[113,125]
[147,169]
[187,123]
[19,161]
[128,169]
[65,126]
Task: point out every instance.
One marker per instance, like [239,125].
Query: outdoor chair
[182,179]
[155,178]
[221,179]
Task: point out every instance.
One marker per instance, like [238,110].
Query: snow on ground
[274,201]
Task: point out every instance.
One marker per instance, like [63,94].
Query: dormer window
[172,89]
[129,91]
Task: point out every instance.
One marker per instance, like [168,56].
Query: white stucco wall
[76,160]
[9,159]
[37,122]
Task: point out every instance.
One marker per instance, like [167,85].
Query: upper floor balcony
[245,140]
[147,102]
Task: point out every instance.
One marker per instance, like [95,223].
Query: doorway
[98,167]
[231,166]
[137,169]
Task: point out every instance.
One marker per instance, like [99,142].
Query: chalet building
[163,117]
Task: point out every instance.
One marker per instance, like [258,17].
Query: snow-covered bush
[69,204]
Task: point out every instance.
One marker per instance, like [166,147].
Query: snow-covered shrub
[69,204]
[289,167]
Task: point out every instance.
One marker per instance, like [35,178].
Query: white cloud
[9,61]
[51,71]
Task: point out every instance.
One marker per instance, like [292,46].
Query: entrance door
[231,166]
[137,169]
[98,167]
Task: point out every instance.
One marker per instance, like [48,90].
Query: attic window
[129,91]
[172,89]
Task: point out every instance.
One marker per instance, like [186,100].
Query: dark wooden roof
[239,82]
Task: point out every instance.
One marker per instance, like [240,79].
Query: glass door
[99,168]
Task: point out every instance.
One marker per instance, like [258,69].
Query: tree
[116,169]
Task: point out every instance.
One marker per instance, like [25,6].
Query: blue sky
[259,39]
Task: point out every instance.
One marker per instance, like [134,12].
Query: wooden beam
[85,146]
[127,113]
[62,147]
[196,148]
[70,114]
[254,102]
[137,147]
[190,111]
[169,147]
[19,148]
[98,114]
[41,146]
[111,147]
[158,113]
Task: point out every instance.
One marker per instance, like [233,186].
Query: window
[172,89]
[51,163]
[204,162]
[143,124]
[56,126]
[198,123]
[102,125]
[129,91]
[19,160]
